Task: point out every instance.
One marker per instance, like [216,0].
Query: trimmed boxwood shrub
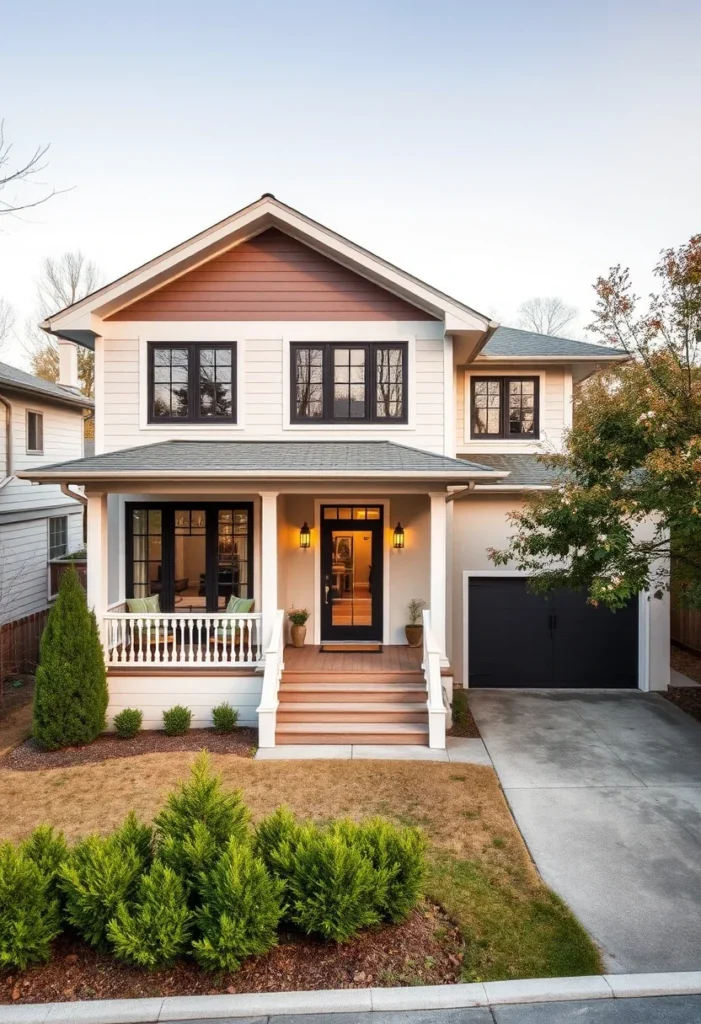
[29,913]
[225,718]
[70,699]
[128,723]
[177,720]
[155,929]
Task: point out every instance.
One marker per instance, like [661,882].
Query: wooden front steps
[354,707]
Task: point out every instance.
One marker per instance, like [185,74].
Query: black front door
[351,572]
[520,639]
[194,556]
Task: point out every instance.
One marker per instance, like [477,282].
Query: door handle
[326,594]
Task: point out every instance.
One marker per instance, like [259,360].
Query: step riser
[391,739]
[352,677]
[350,716]
[343,696]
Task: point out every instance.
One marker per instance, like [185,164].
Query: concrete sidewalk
[458,750]
[606,790]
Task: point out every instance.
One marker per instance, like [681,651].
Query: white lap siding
[153,695]
[24,552]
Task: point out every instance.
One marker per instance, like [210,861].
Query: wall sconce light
[398,537]
[305,537]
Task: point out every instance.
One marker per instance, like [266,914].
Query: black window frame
[504,434]
[39,427]
[371,350]
[63,521]
[194,348]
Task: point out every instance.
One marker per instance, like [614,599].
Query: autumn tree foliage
[625,514]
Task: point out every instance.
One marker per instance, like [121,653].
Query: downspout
[8,443]
[65,489]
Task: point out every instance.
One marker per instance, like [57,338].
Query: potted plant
[298,618]
[414,629]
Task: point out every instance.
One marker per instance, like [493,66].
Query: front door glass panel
[351,549]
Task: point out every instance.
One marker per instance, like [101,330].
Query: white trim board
[643,626]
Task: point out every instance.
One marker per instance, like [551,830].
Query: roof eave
[96,476]
[45,396]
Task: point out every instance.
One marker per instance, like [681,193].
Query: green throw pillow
[239,604]
[144,604]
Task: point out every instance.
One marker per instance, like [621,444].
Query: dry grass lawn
[480,869]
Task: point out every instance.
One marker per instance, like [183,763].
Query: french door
[194,556]
[351,572]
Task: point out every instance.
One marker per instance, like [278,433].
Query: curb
[367,1000]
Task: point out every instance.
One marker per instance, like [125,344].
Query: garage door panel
[520,639]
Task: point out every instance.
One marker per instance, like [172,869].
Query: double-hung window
[58,536]
[344,382]
[35,433]
[192,382]
[504,408]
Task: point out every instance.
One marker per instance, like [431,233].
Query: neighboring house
[43,423]
[285,419]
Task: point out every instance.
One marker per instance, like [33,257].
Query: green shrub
[198,820]
[156,928]
[331,885]
[70,699]
[29,914]
[99,875]
[177,720]
[128,723]
[134,833]
[399,857]
[225,718]
[48,850]
[240,911]
[275,842]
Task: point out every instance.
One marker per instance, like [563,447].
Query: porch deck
[392,658]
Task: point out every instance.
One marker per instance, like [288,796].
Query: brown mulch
[16,691]
[29,756]
[685,662]
[463,723]
[688,698]
[425,950]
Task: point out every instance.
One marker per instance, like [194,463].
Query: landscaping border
[359,1000]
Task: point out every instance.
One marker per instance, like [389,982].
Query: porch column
[97,555]
[268,574]
[438,577]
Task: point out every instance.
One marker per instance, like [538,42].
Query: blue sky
[499,151]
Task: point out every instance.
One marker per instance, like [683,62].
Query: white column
[97,555]
[437,599]
[268,551]
[68,364]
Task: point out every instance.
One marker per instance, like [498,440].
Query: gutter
[8,443]
[258,474]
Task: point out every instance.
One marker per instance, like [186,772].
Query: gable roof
[513,343]
[266,459]
[76,324]
[27,383]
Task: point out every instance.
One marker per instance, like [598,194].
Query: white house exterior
[41,423]
[269,375]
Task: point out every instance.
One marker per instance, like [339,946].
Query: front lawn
[480,873]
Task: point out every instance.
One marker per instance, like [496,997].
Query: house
[43,423]
[285,419]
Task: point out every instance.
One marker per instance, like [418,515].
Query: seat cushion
[239,604]
[144,604]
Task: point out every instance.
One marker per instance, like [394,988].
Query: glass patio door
[351,572]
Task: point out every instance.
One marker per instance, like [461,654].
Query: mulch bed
[425,950]
[688,698]
[463,723]
[16,691]
[29,756]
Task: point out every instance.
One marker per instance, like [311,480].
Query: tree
[15,174]
[62,282]
[70,700]
[546,316]
[7,320]
[625,515]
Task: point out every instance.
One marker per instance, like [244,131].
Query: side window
[58,536]
[35,432]
[505,408]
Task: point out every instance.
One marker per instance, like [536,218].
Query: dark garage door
[520,639]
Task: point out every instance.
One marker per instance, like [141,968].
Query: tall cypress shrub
[70,699]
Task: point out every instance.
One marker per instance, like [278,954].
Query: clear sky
[497,150]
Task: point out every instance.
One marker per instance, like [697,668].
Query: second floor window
[192,383]
[504,407]
[35,432]
[349,383]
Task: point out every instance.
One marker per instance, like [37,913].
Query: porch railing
[192,638]
[434,686]
[267,709]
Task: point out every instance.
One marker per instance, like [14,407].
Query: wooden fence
[686,627]
[19,643]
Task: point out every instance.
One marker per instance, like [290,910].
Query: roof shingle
[13,377]
[509,341]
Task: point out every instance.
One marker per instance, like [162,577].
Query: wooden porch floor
[392,658]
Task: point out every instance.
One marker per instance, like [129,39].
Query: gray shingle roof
[265,457]
[13,377]
[509,341]
[523,469]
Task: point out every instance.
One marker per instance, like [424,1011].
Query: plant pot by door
[298,635]
[414,635]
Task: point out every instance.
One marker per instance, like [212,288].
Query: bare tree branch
[18,174]
[7,320]
[546,316]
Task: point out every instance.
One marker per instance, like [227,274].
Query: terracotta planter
[298,635]
[414,635]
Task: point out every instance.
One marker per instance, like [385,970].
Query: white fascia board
[252,474]
[615,357]
[245,224]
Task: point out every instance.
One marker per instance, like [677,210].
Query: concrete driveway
[606,789]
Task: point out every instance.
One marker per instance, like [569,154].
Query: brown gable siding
[271,277]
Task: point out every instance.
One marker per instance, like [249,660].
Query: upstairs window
[349,383]
[192,383]
[504,408]
[35,433]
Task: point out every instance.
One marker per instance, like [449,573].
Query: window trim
[504,380]
[193,418]
[40,414]
[50,520]
[371,418]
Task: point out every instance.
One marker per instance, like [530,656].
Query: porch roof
[266,459]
